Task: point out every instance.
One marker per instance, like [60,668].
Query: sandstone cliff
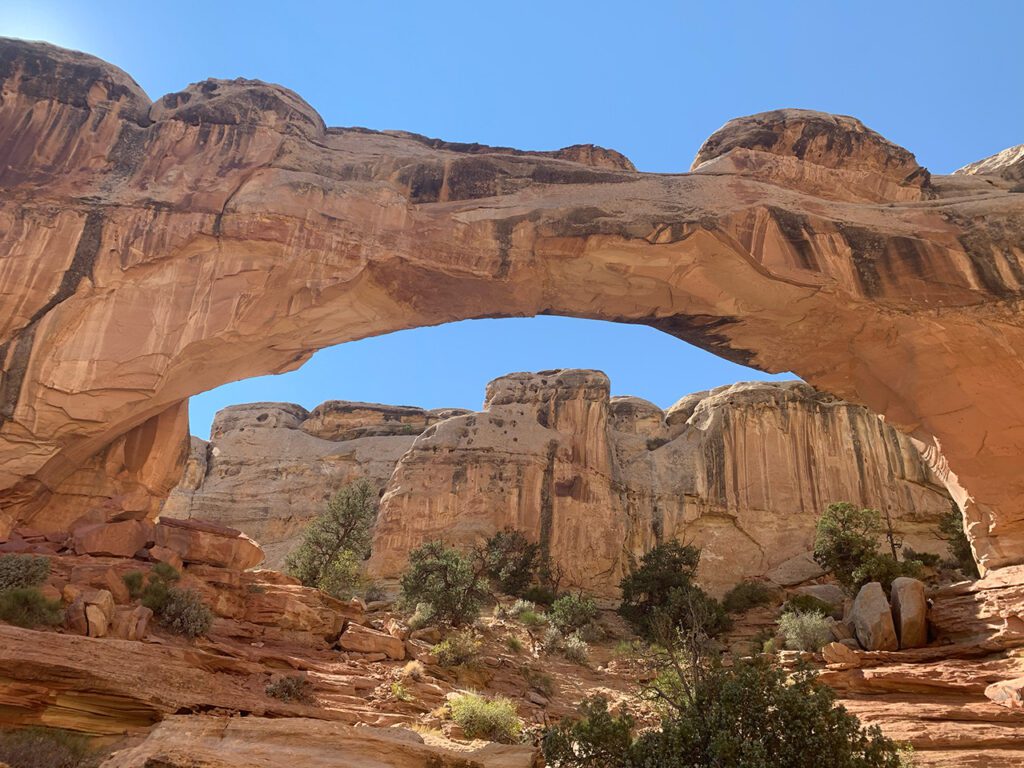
[743,471]
[269,468]
[153,250]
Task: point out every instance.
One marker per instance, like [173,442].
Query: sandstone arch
[151,251]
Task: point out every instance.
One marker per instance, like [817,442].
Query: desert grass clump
[458,649]
[491,719]
[21,571]
[575,649]
[291,689]
[29,608]
[805,631]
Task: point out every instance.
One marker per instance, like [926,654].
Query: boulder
[910,612]
[131,623]
[362,639]
[201,542]
[837,653]
[827,593]
[122,539]
[165,555]
[97,621]
[872,619]
[1007,693]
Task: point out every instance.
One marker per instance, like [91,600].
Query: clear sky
[650,79]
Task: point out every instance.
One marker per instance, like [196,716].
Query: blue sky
[650,79]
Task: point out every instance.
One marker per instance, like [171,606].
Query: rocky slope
[153,250]
[743,471]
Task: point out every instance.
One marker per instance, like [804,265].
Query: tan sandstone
[155,250]
[742,471]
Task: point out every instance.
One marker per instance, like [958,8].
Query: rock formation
[269,468]
[743,471]
[153,250]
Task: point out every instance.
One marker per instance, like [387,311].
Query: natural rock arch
[155,250]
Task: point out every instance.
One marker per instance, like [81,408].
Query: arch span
[155,250]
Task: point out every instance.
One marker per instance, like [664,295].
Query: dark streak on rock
[704,331]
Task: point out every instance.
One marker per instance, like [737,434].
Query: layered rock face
[742,471]
[269,468]
[155,250]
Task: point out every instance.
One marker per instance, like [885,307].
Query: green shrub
[750,714]
[845,538]
[165,572]
[336,542]
[514,644]
[400,692]
[660,599]
[27,607]
[459,648]
[45,748]
[135,581]
[520,607]
[597,739]
[575,649]
[951,528]
[22,571]
[807,604]
[491,719]
[805,631]
[747,595]
[510,561]
[422,616]
[532,619]
[293,688]
[927,559]
[374,593]
[884,569]
[540,594]
[570,613]
[445,578]
[185,613]
[551,641]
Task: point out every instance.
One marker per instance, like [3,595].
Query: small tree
[510,561]
[446,579]
[337,541]
[846,538]
[951,529]
[659,597]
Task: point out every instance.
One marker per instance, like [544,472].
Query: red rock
[197,542]
[165,555]
[872,619]
[1007,693]
[909,612]
[366,640]
[121,539]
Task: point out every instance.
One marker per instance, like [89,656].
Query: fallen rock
[165,555]
[872,619]
[910,612]
[98,621]
[1007,693]
[131,623]
[201,542]
[121,539]
[362,639]
[837,653]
